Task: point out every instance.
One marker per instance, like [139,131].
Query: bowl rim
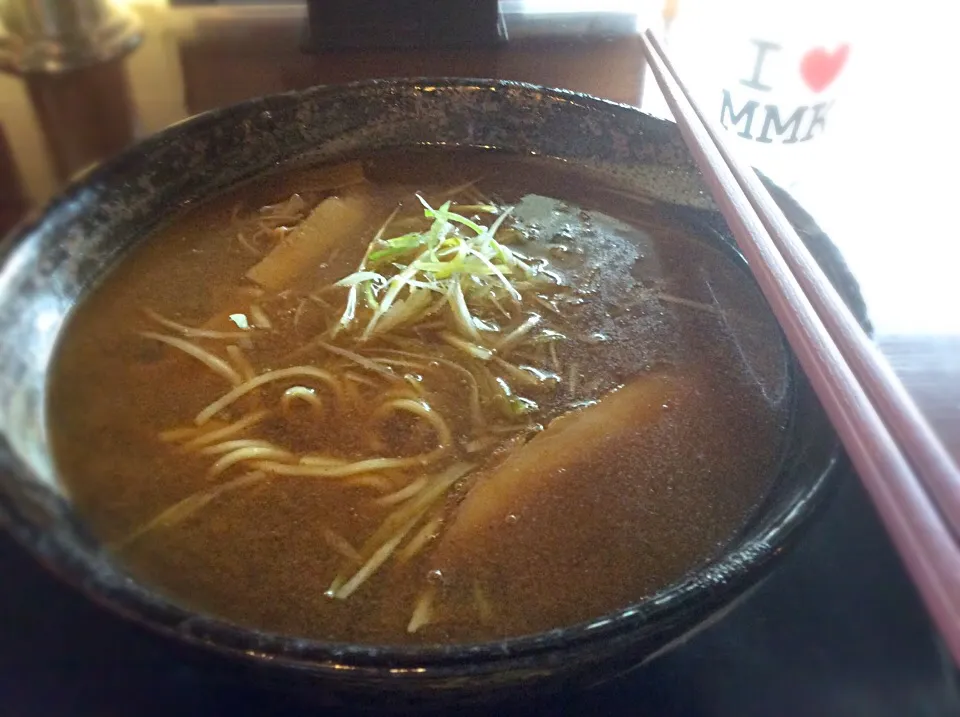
[726,578]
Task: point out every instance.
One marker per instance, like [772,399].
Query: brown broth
[609,533]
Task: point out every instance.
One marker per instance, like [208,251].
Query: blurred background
[885,105]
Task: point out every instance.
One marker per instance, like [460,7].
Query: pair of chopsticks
[909,475]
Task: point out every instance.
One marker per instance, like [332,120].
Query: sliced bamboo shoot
[334,220]
[569,442]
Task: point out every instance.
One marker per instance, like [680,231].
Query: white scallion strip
[522,428]
[406,310]
[423,536]
[496,272]
[690,303]
[341,545]
[179,512]
[479,444]
[397,284]
[484,608]
[554,360]
[376,560]
[462,315]
[423,610]
[350,312]
[384,541]
[357,359]
[471,349]
[245,243]
[439,485]
[527,376]
[518,334]
[361,277]
[573,379]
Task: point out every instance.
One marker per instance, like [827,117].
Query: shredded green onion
[398,273]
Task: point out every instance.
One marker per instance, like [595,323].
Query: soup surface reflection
[423,397]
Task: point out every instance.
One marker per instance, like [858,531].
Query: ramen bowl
[47,265]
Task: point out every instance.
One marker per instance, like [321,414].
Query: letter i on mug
[768,71]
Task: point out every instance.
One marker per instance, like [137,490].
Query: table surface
[837,630]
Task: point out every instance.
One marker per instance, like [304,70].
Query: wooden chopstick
[867,417]
[935,466]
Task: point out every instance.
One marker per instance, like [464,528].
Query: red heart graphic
[819,68]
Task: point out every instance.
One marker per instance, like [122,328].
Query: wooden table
[877,195]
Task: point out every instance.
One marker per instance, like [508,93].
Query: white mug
[771,72]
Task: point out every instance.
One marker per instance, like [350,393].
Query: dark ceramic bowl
[49,262]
